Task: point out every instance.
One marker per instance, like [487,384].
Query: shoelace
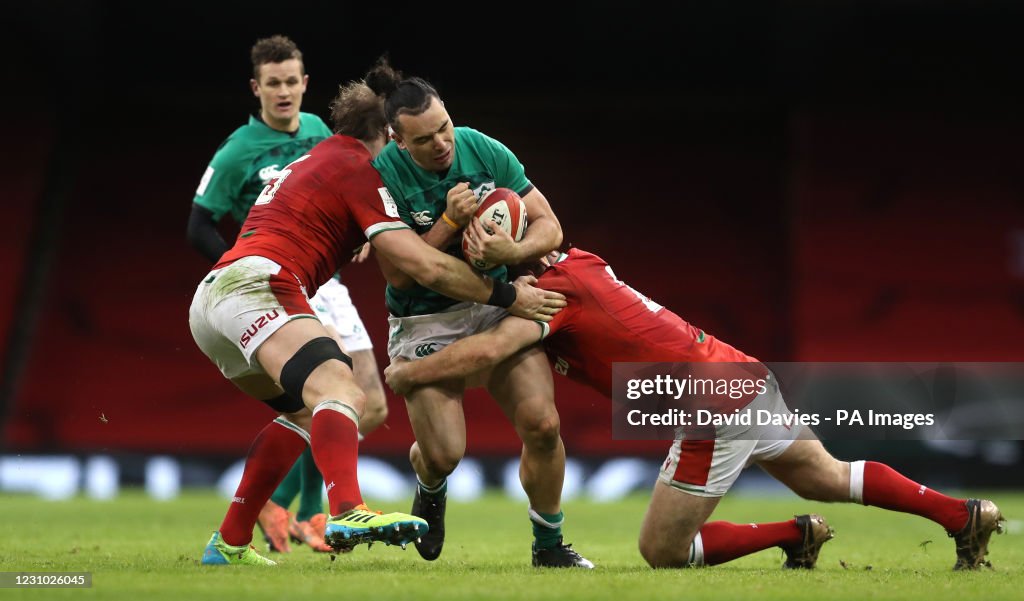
[241,553]
[363,507]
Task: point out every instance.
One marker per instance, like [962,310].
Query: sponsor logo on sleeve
[205,181]
[390,208]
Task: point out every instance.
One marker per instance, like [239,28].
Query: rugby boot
[559,556]
[219,553]
[319,523]
[983,518]
[306,533]
[273,523]
[431,509]
[816,532]
[361,525]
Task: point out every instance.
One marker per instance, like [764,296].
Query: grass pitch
[140,549]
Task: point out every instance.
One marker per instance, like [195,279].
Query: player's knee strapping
[312,354]
[285,403]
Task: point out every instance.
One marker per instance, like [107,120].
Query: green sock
[547,528]
[438,490]
[312,500]
[289,487]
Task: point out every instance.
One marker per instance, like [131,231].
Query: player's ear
[397,137]
[255,85]
[305,82]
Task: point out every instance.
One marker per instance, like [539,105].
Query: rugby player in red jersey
[250,157]
[606,321]
[251,317]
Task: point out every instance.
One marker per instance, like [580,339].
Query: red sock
[725,542]
[335,442]
[886,488]
[271,455]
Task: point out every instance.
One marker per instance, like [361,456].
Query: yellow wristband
[449,221]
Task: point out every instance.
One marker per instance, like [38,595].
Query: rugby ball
[505,208]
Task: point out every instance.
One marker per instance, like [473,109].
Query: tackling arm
[408,253]
[543,233]
[465,357]
[461,202]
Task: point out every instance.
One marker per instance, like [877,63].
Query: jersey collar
[256,119]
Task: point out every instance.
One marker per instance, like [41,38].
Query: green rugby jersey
[250,157]
[421,196]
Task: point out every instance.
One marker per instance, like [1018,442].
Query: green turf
[140,549]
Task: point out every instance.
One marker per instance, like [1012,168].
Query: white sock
[432,490]
[857,482]
[537,519]
[697,552]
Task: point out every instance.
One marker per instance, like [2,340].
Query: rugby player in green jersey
[243,165]
[436,173]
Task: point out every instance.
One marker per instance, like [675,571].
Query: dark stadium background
[807,182]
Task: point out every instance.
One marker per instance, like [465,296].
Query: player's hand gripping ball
[507,210]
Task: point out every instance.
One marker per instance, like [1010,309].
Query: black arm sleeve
[202,234]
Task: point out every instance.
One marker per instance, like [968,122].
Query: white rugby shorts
[421,335]
[333,307]
[709,466]
[237,307]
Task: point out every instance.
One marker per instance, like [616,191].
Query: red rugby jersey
[311,217]
[606,321]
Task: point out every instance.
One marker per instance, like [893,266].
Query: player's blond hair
[358,109]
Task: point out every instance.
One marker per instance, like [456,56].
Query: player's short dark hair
[358,109]
[411,97]
[275,49]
